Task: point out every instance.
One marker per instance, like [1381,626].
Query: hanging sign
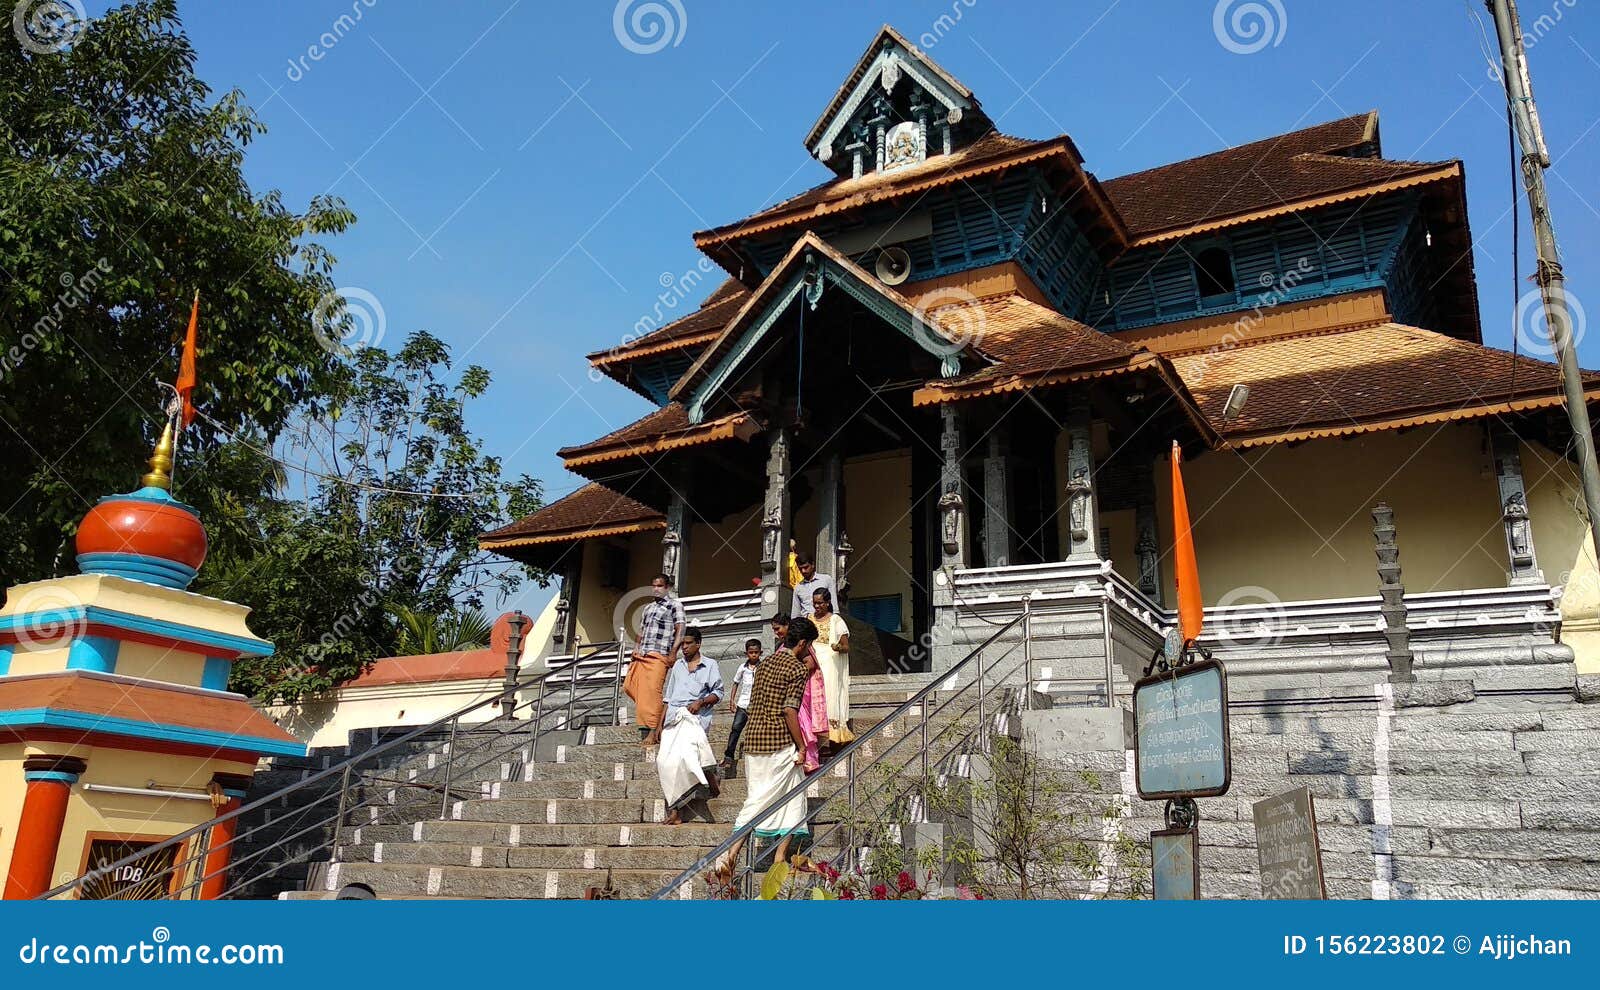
[1181,743]
[1175,864]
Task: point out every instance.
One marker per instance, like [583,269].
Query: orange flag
[1191,614]
[186,375]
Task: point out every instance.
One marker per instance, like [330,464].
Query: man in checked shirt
[660,638]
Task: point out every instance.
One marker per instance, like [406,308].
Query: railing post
[850,787]
[449,765]
[344,804]
[1027,651]
[616,682]
[983,731]
[1105,625]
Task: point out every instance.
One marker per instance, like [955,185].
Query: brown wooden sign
[1286,842]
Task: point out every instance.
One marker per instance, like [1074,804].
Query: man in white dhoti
[774,753]
[685,762]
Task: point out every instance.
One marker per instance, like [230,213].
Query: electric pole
[1552,286]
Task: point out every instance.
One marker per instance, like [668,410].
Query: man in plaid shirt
[660,639]
[774,750]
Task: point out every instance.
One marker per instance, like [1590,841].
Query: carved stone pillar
[1393,594]
[1083,513]
[675,540]
[567,600]
[1147,545]
[997,541]
[952,508]
[776,595]
[1522,561]
[830,519]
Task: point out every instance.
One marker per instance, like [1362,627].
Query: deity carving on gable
[900,147]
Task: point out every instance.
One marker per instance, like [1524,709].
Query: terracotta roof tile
[1313,162]
[108,696]
[842,193]
[717,309]
[1352,380]
[430,668]
[591,509]
[664,429]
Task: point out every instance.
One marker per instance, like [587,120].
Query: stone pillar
[952,508]
[1523,562]
[49,781]
[777,597]
[997,536]
[227,794]
[1147,544]
[513,667]
[1393,593]
[1083,513]
[675,539]
[566,630]
[830,520]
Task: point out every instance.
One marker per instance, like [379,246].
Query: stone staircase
[1487,800]
[585,811]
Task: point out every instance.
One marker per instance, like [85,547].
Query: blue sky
[526,182]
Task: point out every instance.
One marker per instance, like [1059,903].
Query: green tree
[378,556]
[121,193]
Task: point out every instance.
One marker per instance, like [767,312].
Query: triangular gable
[893,69]
[810,256]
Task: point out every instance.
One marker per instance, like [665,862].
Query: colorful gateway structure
[957,368]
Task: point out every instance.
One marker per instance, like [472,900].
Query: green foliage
[429,632]
[121,193]
[359,566]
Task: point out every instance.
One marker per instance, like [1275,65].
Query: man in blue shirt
[685,762]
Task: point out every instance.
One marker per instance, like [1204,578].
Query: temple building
[957,368]
[117,730]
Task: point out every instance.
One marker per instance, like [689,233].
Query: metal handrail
[348,780]
[845,757]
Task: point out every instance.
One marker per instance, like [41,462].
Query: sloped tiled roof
[1387,376]
[990,152]
[664,429]
[1314,162]
[717,309]
[95,704]
[593,510]
[1035,346]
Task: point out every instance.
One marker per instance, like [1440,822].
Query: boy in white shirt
[739,701]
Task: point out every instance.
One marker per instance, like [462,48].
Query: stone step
[405,881]
[677,858]
[644,788]
[696,834]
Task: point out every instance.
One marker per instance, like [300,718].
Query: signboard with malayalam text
[1287,845]
[1181,742]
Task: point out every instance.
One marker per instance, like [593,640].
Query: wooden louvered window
[1213,273]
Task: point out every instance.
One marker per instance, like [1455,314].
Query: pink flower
[964,893]
[846,894]
[880,893]
[905,883]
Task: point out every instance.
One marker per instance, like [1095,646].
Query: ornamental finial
[160,473]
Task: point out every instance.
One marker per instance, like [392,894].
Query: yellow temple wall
[12,790]
[160,663]
[1295,522]
[1565,548]
[878,522]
